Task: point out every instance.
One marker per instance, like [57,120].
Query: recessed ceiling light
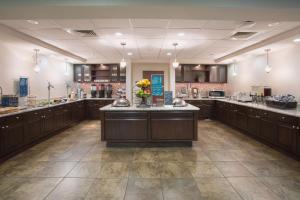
[233,38]
[118,34]
[273,24]
[130,53]
[68,30]
[169,54]
[32,22]
[180,34]
[297,40]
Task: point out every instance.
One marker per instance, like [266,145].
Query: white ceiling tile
[23,24]
[111,23]
[55,34]
[149,33]
[79,24]
[182,24]
[221,25]
[150,23]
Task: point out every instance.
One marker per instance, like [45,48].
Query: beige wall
[17,59]
[138,68]
[284,77]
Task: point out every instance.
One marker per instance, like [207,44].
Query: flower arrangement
[144,91]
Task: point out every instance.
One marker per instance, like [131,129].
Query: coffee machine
[102,91]
[109,91]
[94,91]
[195,93]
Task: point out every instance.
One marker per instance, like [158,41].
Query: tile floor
[223,164]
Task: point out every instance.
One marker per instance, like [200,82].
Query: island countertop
[189,107]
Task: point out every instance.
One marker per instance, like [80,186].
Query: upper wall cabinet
[191,73]
[99,73]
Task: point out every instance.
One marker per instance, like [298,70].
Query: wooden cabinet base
[150,144]
[148,128]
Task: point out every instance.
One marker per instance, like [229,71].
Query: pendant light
[268,67]
[234,73]
[66,70]
[36,68]
[175,63]
[123,62]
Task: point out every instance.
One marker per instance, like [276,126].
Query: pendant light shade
[123,61]
[36,68]
[175,63]
[268,67]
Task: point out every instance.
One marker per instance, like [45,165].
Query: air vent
[243,35]
[85,33]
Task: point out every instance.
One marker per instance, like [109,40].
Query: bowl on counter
[121,102]
[179,102]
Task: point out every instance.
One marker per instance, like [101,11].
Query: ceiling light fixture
[69,30]
[169,54]
[129,53]
[32,22]
[36,68]
[175,63]
[297,40]
[268,67]
[118,34]
[123,62]
[180,34]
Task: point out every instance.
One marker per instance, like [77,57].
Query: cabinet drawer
[170,129]
[172,115]
[126,129]
[126,115]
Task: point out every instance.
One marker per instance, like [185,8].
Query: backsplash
[206,87]
[115,86]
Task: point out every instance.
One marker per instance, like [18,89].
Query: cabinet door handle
[3,127]
[6,126]
[17,117]
[282,117]
[298,127]
[293,127]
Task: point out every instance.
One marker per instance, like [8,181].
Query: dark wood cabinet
[193,73]
[298,138]
[278,130]
[33,126]
[93,107]
[99,73]
[241,118]
[12,134]
[287,136]
[253,122]
[179,125]
[126,126]
[207,108]
[48,125]
[59,117]
[268,129]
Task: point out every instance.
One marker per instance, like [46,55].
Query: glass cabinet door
[86,73]
[78,73]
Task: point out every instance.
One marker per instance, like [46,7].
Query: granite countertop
[199,99]
[290,112]
[90,98]
[24,110]
[189,107]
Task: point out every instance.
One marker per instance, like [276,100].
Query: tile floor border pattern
[223,164]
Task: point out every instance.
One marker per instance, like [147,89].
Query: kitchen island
[154,126]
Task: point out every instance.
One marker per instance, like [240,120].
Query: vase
[144,103]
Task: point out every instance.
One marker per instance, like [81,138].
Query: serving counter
[154,126]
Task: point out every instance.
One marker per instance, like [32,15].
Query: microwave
[216,94]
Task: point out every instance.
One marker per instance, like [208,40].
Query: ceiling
[148,39]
